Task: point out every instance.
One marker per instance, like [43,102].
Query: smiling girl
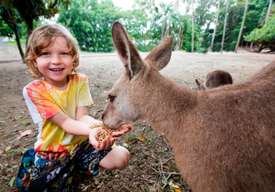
[58,102]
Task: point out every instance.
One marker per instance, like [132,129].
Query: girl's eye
[45,53]
[111,98]
[65,53]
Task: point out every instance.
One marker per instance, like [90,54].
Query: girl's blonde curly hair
[41,38]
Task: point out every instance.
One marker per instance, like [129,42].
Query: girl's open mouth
[56,69]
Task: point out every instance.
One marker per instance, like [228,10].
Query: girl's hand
[124,128]
[104,144]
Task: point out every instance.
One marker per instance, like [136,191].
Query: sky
[127,4]
[124,4]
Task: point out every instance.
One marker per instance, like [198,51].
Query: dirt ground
[152,167]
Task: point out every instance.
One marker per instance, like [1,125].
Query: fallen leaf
[24,133]
[125,145]
[141,138]
[174,187]
[7,148]
[11,181]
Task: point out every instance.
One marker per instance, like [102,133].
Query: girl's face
[55,62]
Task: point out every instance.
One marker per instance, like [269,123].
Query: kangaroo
[223,139]
[215,79]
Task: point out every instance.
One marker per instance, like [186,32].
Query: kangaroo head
[126,97]
[218,78]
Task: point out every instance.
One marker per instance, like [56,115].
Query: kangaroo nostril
[102,116]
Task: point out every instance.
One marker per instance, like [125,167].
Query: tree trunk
[224,24]
[17,38]
[251,46]
[193,30]
[268,11]
[178,42]
[10,20]
[215,28]
[29,30]
[180,39]
[242,25]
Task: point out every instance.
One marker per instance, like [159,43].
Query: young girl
[58,103]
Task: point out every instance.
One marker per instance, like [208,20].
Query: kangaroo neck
[166,104]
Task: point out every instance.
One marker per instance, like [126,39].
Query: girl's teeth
[56,69]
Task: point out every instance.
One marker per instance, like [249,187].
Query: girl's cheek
[40,60]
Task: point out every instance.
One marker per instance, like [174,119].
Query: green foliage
[90,21]
[136,24]
[148,24]
[15,12]
[187,35]
[263,34]
[254,18]
[4,29]
[23,14]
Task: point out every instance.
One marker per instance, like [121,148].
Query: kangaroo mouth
[116,127]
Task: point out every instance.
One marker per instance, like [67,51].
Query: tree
[90,21]
[31,10]
[216,24]
[14,12]
[9,16]
[179,36]
[193,26]
[224,24]
[264,37]
[268,11]
[242,25]
[5,30]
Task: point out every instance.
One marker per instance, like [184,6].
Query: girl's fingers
[95,144]
[117,133]
[92,139]
[124,129]
[107,143]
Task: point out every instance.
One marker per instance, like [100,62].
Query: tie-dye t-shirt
[44,101]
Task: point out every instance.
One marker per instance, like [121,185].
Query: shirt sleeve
[40,104]
[85,98]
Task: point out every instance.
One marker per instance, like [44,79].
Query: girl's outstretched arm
[82,114]
[77,127]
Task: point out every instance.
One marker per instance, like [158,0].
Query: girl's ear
[160,56]
[126,50]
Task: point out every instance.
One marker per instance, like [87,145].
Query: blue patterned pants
[38,174]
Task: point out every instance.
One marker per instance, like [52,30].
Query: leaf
[7,148]
[141,138]
[174,187]
[24,133]
[11,181]
[125,145]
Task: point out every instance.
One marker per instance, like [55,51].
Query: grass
[13,42]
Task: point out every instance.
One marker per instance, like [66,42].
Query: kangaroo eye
[111,98]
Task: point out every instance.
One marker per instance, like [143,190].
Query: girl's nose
[55,59]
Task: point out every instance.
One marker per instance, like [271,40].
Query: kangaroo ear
[160,55]
[200,84]
[126,50]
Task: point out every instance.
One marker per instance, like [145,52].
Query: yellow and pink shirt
[44,101]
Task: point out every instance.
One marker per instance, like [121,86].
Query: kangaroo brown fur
[223,139]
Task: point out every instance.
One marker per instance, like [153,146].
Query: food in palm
[103,133]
